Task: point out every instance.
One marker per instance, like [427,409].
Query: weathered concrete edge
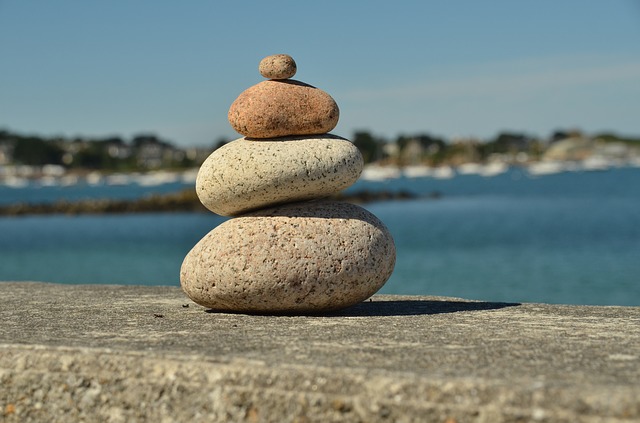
[47,383]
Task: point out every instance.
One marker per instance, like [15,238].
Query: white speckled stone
[244,175]
[296,258]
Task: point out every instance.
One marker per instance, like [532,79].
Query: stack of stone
[287,250]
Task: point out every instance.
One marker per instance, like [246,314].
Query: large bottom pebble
[297,258]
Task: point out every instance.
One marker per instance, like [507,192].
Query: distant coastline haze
[451,69]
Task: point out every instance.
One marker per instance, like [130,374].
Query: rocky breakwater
[286,249]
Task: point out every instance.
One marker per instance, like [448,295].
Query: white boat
[68,180]
[14,181]
[634,161]
[545,168]
[379,173]
[443,172]
[487,170]
[156,178]
[118,179]
[53,170]
[189,176]
[469,169]
[47,181]
[417,171]
[94,178]
[493,169]
[596,163]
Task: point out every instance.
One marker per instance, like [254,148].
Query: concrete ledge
[123,354]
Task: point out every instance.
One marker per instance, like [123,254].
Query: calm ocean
[570,238]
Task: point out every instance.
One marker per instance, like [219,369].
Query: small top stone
[277,66]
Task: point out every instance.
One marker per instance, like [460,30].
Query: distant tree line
[148,151]
[433,150]
[142,152]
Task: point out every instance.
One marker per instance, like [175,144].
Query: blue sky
[449,68]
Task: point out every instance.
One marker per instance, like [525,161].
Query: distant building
[570,149]
[198,154]
[119,151]
[412,152]
[5,154]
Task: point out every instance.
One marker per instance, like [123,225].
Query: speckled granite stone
[278,66]
[244,175]
[302,257]
[277,108]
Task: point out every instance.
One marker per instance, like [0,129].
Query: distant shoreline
[183,201]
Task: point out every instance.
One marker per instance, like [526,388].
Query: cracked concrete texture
[116,353]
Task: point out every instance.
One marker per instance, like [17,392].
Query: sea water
[571,238]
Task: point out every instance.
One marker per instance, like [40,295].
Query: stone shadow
[387,308]
[416,307]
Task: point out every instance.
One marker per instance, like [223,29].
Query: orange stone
[277,108]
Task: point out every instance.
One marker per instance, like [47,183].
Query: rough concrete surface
[123,354]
